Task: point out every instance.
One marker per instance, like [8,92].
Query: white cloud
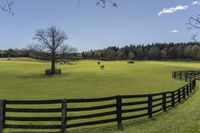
[195,3]
[172,9]
[173,31]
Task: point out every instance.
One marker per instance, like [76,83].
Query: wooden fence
[147,104]
[186,75]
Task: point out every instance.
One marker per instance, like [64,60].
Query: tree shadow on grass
[42,76]
[34,132]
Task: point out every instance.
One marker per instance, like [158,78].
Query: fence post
[190,77]
[175,75]
[119,110]
[186,75]
[188,87]
[150,106]
[2,115]
[164,101]
[191,86]
[179,95]
[183,92]
[194,83]
[64,116]
[172,99]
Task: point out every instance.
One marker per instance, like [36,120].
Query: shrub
[48,71]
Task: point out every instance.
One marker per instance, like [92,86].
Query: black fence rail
[116,109]
[186,75]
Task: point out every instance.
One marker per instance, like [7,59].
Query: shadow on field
[42,76]
[113,127]
[109,128]
[32,132]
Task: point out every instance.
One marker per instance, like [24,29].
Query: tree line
[155,51]
[14,53]
[29,52]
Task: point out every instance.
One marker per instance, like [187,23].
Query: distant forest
[155,51]
[14,53]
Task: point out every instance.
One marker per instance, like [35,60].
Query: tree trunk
[53,63]
[53,71]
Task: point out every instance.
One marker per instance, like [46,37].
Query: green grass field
[23,78]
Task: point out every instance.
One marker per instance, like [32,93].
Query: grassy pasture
[23,78]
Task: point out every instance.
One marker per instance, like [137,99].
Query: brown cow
[102,67]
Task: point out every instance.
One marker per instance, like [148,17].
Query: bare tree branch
[64,50]
[194,23]
[41,37]
[6,6]
[194,38]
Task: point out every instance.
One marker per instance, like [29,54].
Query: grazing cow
[102,67]
[98,63]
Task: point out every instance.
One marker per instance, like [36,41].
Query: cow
[102,67]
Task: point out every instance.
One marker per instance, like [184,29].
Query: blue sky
[91,27]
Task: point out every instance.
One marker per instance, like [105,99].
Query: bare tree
[194,23]
[52,42]
[6,6]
